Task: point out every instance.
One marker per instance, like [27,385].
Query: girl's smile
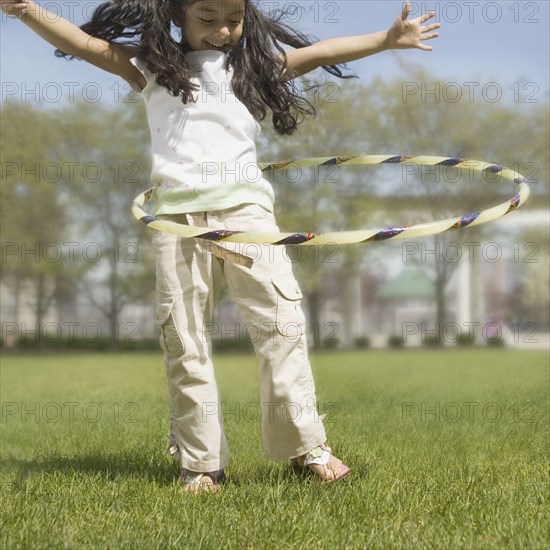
[214,24]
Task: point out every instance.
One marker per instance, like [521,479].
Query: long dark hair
[146,25]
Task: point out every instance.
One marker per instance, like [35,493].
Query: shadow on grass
[110,467]
[162,472]
[267,474]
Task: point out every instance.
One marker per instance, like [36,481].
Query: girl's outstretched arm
[402,34]
[70,39]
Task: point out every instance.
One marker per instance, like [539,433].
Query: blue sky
[481,41]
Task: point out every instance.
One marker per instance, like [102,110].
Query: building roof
[408,284]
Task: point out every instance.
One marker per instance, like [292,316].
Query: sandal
[196,482]
[326,467]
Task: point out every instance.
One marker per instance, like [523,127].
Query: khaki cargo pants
[261,281]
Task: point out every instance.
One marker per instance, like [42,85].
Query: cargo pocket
[290,318]
[170,338]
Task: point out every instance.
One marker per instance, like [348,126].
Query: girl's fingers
[406,10]
[427,16]
[430,36]
[429,28]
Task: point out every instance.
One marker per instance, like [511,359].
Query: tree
[112,147]
[32,217]
[68,181]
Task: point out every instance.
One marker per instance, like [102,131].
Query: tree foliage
[70,174]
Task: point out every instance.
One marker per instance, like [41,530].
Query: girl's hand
[14,8]
[410,34]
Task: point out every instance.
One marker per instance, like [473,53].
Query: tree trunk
[314,303]
[40,306]
[441,312]
[114,307]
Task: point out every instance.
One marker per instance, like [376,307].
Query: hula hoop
[356,236]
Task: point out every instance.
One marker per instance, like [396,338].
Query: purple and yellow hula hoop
[356,236]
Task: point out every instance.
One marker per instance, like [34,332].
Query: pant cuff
[178,453]
[285,453]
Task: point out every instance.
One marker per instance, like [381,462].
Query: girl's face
[214,24]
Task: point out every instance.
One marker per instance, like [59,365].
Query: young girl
[205,93]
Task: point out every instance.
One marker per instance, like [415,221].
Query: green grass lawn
[448,449]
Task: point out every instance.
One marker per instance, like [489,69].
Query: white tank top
[203,153]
